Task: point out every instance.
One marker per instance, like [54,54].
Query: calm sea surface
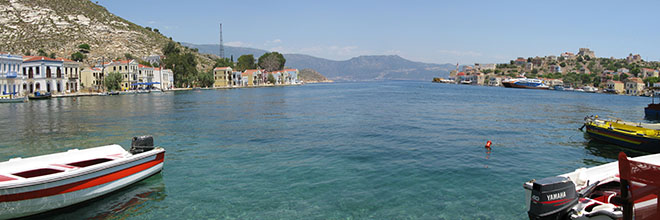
[386,150]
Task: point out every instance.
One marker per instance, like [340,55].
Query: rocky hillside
[311,76]
[59,26]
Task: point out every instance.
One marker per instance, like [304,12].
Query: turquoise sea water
[382,150]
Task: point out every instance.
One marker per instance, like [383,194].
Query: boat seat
[631,174]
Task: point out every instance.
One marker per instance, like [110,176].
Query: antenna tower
[222,47]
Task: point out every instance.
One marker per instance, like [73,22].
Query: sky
[464,32]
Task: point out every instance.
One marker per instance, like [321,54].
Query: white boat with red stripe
[39,184]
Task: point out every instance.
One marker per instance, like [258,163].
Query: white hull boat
[39,184]
[598,192]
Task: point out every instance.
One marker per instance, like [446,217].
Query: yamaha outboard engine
[142,144]
[552,198]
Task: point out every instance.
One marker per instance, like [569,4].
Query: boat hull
[652,111]
[514,85]
[634,142]
[37,198]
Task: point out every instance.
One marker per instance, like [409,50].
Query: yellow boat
[638,136]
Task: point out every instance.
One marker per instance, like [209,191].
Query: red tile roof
[64,59]
[36,58]
[222,68]
[461,74]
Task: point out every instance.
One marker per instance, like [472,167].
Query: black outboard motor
[552,198]
[142,144]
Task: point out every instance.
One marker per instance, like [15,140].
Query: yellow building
[615,86]
[222,76]
[129,70]
[634,86]
[91,79]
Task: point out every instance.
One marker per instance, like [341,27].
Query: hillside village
[631,75]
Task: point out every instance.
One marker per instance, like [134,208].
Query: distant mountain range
[362,68]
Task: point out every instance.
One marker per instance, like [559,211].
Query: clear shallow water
[387,150]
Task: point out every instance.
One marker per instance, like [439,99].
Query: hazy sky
[427,31]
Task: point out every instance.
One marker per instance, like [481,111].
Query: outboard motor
[552,198]
[142,144]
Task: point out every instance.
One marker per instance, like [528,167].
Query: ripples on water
[387,150]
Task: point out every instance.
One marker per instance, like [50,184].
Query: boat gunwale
[81,171]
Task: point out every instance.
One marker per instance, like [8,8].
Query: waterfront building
[72,71]
[634,86]
[495,81]
[128,69]
[168,76]
[256,77]
[236,79]
[222,76]
[162,79]
[91,79]
[586,52]
[646,72]
[291,76]
[623,70]
[277,75]
[145,75]
[11,80]
[616,86]
[43,74]
[477,79]
[553,82]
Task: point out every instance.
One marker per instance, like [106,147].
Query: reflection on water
[124,203]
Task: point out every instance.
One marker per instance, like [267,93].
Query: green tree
[84,48]
[651,80]
[42,53]
[205,79]
[128,56]
[272,61]
[113,81]
[148,28]
[271,79]
[562,64]
[77,56]
[52,55]
[170,48]
[145,63]
[623,77]
[635,71]
[223,62]
[245,62]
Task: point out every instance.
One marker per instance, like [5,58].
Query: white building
[72,71]
[10,78]
[43,74]
[145,76]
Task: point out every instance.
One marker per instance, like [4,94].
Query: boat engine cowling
[142,144]
[552,198]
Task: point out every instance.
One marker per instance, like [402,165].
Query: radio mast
[222,47]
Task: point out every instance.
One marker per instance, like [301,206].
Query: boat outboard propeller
[142,144]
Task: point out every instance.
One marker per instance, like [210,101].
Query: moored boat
[12,98]
[637,136]
[39,184]
[39,95]
[652,111]
[614,190]
[525,83]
